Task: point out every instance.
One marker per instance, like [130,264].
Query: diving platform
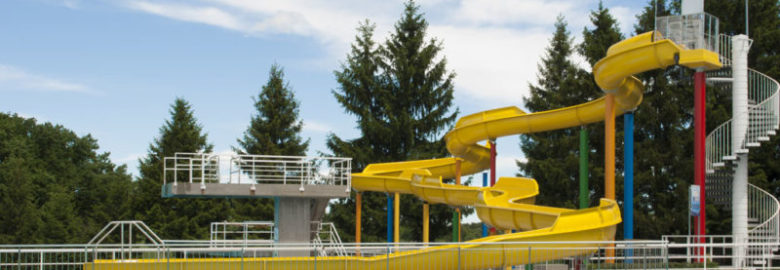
[198,175]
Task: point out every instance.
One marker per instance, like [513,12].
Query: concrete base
[294,225]
[294,222]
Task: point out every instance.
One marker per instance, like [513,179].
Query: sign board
[695,197]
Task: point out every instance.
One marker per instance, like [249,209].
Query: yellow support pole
[396,218]
[609,157]
[426,220]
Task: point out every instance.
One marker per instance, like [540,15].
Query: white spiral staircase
[763,209]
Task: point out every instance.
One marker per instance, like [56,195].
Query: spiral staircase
[723,160]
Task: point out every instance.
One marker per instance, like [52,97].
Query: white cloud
[13,77]
[206,15]
[492,64]
[493,45]
[503,12]
[314,126]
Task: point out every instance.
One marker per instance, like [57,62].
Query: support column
[609,147]
[456,212]
[609,158]
[294,224]
[699,123]
[628,181]
[584,149]
[628,177]
[492,144]
[358,220]
[426,219]
[739,200]
[389,218]
[397,218]
[484,184]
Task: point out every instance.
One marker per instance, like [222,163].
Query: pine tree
[275,129]
[401,93]
[176,218]
[552,155]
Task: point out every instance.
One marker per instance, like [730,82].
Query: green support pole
[455,221]
[584,191]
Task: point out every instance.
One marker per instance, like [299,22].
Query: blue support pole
[389,218]
[484,184]
[628,179]
[276,219]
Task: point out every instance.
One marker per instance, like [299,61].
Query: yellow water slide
[508,204]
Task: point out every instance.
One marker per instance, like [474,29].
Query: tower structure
[300,186]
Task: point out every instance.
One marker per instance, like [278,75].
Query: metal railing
[692,31]
[327,238]
[547,255]
[290,170]
[223,234]
[765,210]
[206,168]
[192,168]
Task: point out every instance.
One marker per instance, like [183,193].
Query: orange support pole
[397,218]
[609,157]
[358,206]
[426,220]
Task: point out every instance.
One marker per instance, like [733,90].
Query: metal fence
[469,255]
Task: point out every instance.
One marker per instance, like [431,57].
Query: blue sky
[112,68]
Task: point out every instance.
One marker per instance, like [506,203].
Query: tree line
[56,188]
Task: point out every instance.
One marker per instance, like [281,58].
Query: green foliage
[401,93]
[275,129]
[175,218]
[54,186]
[552,155]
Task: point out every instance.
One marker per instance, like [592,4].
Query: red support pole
[492,162]
[699,123]
[492,144]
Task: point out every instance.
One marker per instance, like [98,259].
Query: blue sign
[695,197]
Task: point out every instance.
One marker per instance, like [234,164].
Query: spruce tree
[401,93]
[274,130]
[176,218]
[552,155]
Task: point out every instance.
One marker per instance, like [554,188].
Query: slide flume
[508,204]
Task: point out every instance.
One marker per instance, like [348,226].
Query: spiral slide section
[508,204]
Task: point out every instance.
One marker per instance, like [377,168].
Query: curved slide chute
[508,204]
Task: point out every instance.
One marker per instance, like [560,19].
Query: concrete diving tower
[300,186]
